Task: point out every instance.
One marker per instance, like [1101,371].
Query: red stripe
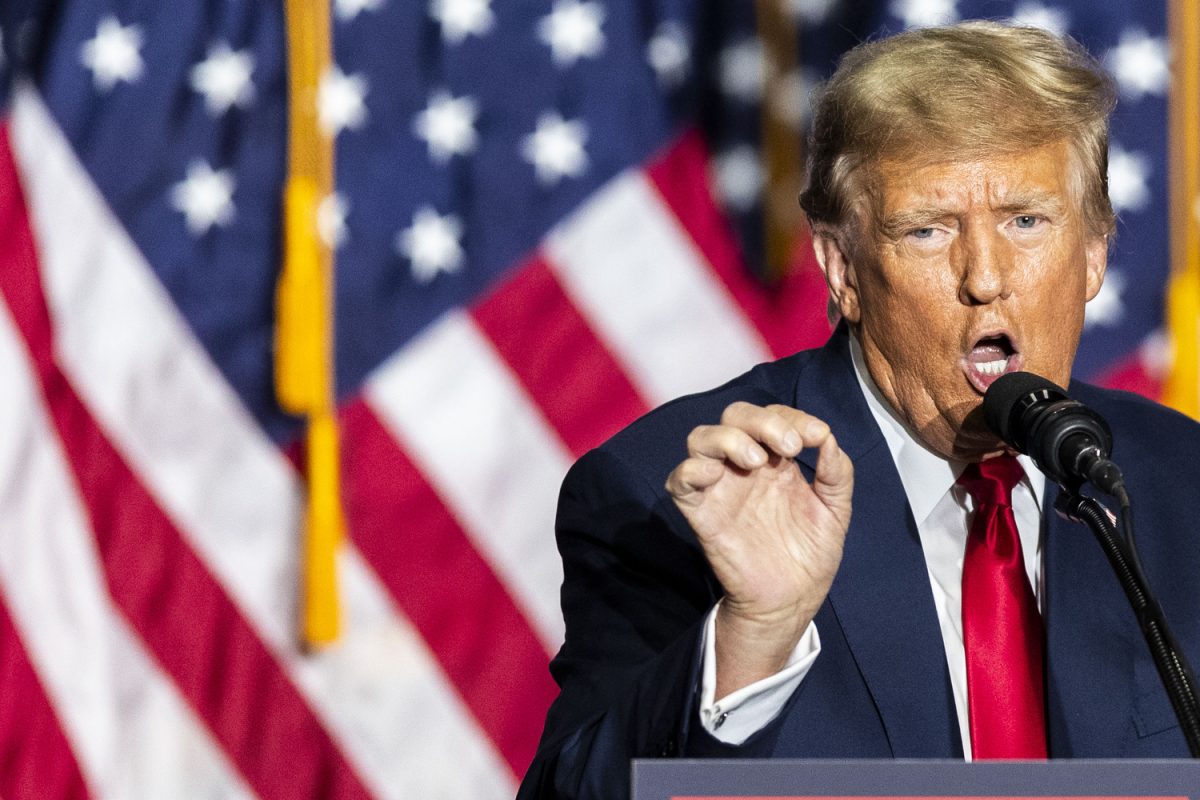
[566,369]
[790,315]
[1130,374]
[35,759]
[466,616]
[196,633]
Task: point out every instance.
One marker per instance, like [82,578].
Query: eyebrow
[903,221]
[1033,201]
[895,225]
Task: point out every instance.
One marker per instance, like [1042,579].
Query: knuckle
[696,437]
[735,411]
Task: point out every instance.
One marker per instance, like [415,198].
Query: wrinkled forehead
[1042,175]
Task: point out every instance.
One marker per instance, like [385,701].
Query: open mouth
[992,355]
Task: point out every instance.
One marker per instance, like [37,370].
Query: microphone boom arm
[1172,664]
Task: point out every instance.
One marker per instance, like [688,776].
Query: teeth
[992,367]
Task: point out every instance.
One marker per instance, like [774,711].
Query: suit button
[669,748]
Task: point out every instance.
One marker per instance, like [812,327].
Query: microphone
[1067,440]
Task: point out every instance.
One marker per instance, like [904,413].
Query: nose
[985,266]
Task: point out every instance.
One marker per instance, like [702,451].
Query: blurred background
[306,308]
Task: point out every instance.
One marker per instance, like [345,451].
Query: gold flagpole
[782,150]
[1182,386]
[304,374]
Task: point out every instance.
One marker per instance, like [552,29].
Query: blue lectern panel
[915,780]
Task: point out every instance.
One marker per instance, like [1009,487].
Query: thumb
[833,481]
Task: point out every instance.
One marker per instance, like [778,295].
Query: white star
[224,79]
[113,55]
[1156,354]
[669,53]
[349,9]
[1036,15]
[791,97]
[431,244]
[448,126]
[738,175]
[924,13]
[1127,174]
[1140,64]
[205,197]
[462,18]
[340,101]
[555,148]
[743,67]
[1106,308]
[811,11]
[331,219]
[572,30]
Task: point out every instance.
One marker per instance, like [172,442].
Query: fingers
[746,437]
[784,430]
[833,479]
[726,443]
[687,482]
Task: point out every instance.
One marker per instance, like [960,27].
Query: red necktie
[1002,629]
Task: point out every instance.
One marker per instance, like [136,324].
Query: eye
[922,233]
[1026,221]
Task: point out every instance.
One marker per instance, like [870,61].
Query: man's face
[975,269]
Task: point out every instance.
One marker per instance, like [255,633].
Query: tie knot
[992,481]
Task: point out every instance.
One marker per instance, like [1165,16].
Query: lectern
[680,779]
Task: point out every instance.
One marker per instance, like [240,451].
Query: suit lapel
[881,596]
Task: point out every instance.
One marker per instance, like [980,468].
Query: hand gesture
[773,539]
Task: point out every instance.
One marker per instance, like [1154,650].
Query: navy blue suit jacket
[637,589]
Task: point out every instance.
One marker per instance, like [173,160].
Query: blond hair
[971,90]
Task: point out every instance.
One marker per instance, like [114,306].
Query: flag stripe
[450,402]
[566,369]
[787,314]
[36,757]
[495,661]
[219,665]
[409,722]
[235,496]
[92,666]
[638,278]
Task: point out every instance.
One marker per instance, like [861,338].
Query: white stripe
[169,411]
[132,734]
[637,277]
[455,407]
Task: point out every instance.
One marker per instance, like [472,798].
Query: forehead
[1039,174]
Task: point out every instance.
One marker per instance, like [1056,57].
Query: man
[807,562]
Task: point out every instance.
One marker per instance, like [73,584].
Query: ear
[1096,251]
[839,275]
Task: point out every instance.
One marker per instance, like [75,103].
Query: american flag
[547,220]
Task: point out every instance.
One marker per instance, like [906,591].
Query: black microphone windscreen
[1001,398]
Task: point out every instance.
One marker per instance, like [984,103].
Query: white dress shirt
[942,512]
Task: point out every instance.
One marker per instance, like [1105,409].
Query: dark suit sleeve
[635,594]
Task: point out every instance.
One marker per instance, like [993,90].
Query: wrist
[751,647]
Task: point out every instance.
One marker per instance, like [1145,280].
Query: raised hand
[773,539]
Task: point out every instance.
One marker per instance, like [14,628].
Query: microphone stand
[1173,668]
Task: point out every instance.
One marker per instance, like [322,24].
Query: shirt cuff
[741,714]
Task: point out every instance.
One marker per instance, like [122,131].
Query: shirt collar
[925,475]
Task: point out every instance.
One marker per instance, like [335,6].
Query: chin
[972,438]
